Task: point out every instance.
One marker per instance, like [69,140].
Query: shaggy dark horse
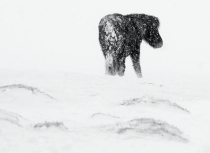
[121,36]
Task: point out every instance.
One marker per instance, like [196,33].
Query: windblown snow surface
[75,108]
[72,112]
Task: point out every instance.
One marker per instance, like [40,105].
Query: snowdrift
[101,113]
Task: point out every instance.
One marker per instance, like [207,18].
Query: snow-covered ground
[54,96]
[72,112]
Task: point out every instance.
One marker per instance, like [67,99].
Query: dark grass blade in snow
[50,124]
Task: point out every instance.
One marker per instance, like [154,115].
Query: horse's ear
[149,20]
[155,21]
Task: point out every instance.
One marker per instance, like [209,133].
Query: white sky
[63,35]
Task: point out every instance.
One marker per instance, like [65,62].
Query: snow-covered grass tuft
[152,100]
[21,86]
[147,126]
[11,118]
[49,125]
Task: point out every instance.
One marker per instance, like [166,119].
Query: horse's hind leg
[121,66]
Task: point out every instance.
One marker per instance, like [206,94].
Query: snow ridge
[32,89]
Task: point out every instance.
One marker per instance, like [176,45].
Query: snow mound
[108,116]
[145,127]
[16,91]
[102,118]
[155,102]
[8,119]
